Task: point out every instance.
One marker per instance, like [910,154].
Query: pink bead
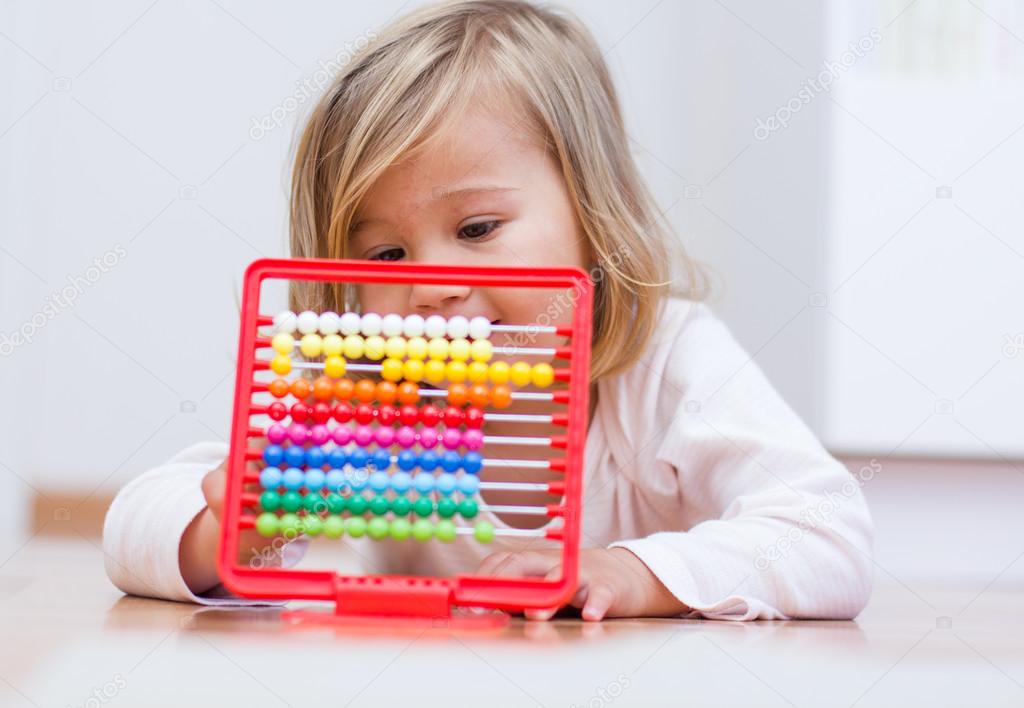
[298,433]
[319,434]
[428,438]
[277,433]
[342,435]
[473,439]
[406,436]
[451,438]
[385,435]
[364,435]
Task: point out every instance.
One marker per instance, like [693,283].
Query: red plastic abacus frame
[407,596]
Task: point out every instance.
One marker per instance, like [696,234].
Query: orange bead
[501,396]
[344,389]
[387,392]
[300,388]
[457,394]
[278,388]
[479,395]
[366,389]
[408,392]
[323,389]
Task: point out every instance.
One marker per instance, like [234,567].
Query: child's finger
[526,563]
[547,613]
[600,598]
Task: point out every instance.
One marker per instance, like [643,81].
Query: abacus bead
[313,502]
[473,439]
[311,346]
[353,347]
[472,462]
[542,375]
[381,459]
[342,435]
[391,370]
[283,343]
[481,350]
[452,416]
[357,504]
[380,481]
[329,322]
[334,367]
[293,478]
[458,326]
[451,438]
[412,326]
[370,324]
[446,483]
[334,480]
[451,461]
[409,415]
[373,348]
[300,388]
[435,326]
[343,389]
[377,528]
[474,417]
[349,323]
[358,458]
[434,371]
[408,393]
[430,415]
[319,434]
[445,531]
[412,370]
[446,507]
[391,325]
[321,412]
[270,477]
[479,395]
[457,394]
[356,526]
[422,530]
[423,507]
[423,482]
[387,391]
[400,529]
[281,364]
[266,524]
[299,412]
[428,461]
[323,388]
[468,508]
[334,527]
[479,328]
[365,390]
[291,501]
[290,525]
[416,348]
[387,414]
[364,414]
[315,479]
[406,460]
[335,503]
[295,456]
[384,437]
[498,372]
[380,505]
[469,484]
[285,321]
[333,345]
[401,481]
[277,433]
[476,372]
[298,433]
[270,500]
[428,438]
[316,457]
[401,506]
[501,396]
[363,436]
[357,480]
[394,347]
[406,436]
[455,371]
[273,455]
[308,322]
[278,388]
[312,525]
[458,350]
[484,532]
[437,349]
[520,373]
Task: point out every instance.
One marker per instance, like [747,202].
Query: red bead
[409,415]
[343,412]
[474,417]
[364,413]
[387,414]
[277,410]
[300,411]
[321,412]
[452,416]
[430,415]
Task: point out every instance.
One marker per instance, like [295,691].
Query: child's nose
[437,299]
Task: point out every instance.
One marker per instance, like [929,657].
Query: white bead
[479,328]
[329,323]
[349,323]
[435,326]
[413,326]
[286,321]
[371,324]
[458,327]
[308,322]
[391,325]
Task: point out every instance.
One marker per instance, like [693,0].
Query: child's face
[485,192]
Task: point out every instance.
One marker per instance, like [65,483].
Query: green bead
[401,506]
[357,504]
[334,527]
[400,529]
[313,524]
[290,525]
[445,530]
[422,530]
[468,508]
[446,507]
[314,502]
[291,501]
[356,526]
[484,531]
[335,503]
[270,500]
[423,507]
[266,524]
[377,528]
[380,505]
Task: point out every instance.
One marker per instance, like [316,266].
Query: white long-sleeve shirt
[693,462]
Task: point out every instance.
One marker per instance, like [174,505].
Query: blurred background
[849,173]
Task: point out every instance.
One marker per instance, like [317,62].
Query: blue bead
[273,455]
[472,462]
[270,478]
[293,478]
[358,458]
[401,481]
[469,484]
[335,480]
[407,460]
[337,458]
[428,461]
[357,480]
[424,483]
[380,481]
[451,461]
[381,459]
[315,457]
[315,479]
[446,483]
[295,456]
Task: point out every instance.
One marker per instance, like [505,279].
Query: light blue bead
[293,478]
[424,483]
[469,484]
[401,481]
[446,483]
[270,478]
[380,481]
[315,480]
[357,479]
[335,480]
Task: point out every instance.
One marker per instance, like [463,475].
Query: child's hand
[612,583]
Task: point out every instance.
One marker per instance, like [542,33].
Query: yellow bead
[311,345]
[476,372]
[542,375]
[458,350]
[499,372]
[373,348]
[434,371]
[283,343]
[391,370]
[333,345]
[416,348]
[334,367]
[353,347]
[412,370]
[281,364]
[520,373]
[455,371]
[394,348]
[481,350]
[437,348]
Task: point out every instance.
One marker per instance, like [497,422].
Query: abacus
[362,425]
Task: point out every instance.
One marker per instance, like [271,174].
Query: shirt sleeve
[782,529]
[144,526]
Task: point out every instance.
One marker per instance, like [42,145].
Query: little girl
[489,132]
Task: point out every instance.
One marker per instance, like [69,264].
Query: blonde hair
[424,68]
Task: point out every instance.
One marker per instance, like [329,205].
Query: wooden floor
[69,638]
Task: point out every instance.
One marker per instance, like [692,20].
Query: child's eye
[478,230]
[390,254]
